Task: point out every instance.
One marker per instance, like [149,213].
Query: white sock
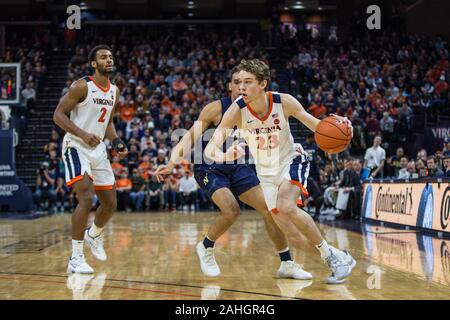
[95,231]
[324,249]
[77,248]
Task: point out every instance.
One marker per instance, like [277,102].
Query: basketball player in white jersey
[85,113]
[224,183]
[263,120]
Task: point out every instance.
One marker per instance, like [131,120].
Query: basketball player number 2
[273,142]
[102,116]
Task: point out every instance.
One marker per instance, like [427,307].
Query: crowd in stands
[33,65]
[378,83]
[30,50]
[165,82]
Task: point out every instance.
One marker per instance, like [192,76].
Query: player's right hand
[164,169]
[91,139]
[236,151]
[345,120]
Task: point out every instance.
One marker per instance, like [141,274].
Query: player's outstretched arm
[111,133]
[213,151]
[77,93]
[211,113]
[293,108]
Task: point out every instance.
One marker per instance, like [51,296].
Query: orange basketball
[333,135]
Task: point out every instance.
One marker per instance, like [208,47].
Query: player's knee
[232,212]
[286,208]
[86,195]
[86,198]
[110,205]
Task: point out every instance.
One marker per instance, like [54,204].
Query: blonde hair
[256,67]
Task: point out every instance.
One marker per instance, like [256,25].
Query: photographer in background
[45,188]
[62,196]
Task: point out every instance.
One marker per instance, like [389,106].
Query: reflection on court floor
[152,256]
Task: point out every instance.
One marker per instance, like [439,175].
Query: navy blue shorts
[238,178]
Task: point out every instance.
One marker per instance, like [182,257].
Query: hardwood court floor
[152,256]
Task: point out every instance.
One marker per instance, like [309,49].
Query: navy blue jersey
[211,177]
[311,150]
[198,156]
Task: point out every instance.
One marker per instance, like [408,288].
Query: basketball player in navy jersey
[224,183]
[262,117]
[85,114]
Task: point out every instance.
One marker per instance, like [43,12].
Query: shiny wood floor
[152,256]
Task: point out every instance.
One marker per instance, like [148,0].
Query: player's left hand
[345,120]
[123,154]
[298,149]
[163,170]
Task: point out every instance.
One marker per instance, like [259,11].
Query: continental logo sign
[424,205]
[394,201]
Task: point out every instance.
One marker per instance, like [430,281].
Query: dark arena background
[386,198]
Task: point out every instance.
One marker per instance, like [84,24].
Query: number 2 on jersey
[273,142]
[102,116]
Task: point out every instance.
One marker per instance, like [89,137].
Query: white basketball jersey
[269,137]
[93,114]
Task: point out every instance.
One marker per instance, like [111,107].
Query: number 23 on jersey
[272,142]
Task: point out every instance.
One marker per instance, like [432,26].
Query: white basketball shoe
[96,245]
[341,264]
[78,264]
[289,269]
[208,263]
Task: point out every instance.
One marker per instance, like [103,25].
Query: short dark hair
[234,70]
[93,52]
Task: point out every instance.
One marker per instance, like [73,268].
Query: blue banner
[15,196]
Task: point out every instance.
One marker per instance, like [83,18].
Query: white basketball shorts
[79,159]
[296,172]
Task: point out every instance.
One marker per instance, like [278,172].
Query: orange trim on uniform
[267,114]
[98,86]
[104,187]
[274,210]
[302,188]
[300,202]
[76,179]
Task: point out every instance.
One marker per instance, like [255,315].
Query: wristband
[118,144]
